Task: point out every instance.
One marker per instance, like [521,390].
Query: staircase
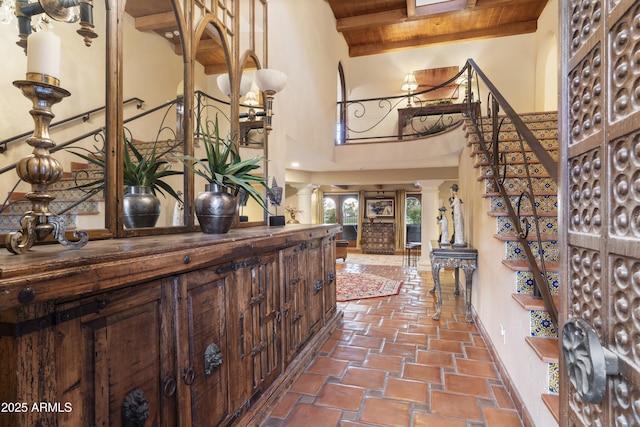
[543,333]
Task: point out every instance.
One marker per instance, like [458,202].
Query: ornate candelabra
[41,170]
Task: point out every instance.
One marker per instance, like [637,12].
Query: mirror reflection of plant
[146,170]
[223,165]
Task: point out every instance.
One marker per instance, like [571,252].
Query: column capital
[430,185]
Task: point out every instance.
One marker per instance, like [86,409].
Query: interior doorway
[343,209]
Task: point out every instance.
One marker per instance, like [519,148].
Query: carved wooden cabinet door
[315,269]
[294,309]
[600,131]
[329,274]
[256,311]
[204,346]
[128,353]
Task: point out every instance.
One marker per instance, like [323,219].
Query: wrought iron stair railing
[498,165]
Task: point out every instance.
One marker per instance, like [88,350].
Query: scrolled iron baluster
[524,223]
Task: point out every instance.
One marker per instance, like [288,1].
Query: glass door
[343,209]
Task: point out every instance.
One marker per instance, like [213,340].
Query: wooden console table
[406,114]
[448,256]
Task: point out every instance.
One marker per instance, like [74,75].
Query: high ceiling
[377,26]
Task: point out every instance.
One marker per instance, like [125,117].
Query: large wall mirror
[129,101]
[80,120]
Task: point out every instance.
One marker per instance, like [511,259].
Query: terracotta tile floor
[390,364]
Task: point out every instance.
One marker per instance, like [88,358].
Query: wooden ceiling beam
[160,21]
[373,19]
[499,31]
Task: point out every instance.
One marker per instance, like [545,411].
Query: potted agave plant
[143,175]
[229,178]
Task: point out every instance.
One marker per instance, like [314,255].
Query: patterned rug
[351,286]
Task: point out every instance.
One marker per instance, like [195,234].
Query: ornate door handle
[168,386]
[212,359]
[588,362]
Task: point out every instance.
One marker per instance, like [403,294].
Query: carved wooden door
[204,353]
[315,269]
[294,309]
[600,131]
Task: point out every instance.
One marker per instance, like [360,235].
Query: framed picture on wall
[379,208]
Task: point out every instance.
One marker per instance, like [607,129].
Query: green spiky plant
[138,169]
[223,165]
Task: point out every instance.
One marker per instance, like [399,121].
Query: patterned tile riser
[20,207]
[508,126]
[543,204]
[554,378]
[10,223]
[542,326]
[505,226]
[513,135]
[535,169]
[513,185]
[515,252]
[514,145]
[524,282]
[516,157]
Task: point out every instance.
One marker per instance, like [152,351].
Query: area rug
[352,286]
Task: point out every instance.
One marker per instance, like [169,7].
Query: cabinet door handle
[189,375]
[168,386]
[212,359]
[317,286]
[331,276]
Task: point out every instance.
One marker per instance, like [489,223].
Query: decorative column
[429,224]
[303,193]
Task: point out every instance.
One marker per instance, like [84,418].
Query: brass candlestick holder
[41,170]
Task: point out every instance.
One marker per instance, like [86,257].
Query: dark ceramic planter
[141,208]
[216,210]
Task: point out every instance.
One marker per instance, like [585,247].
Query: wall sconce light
[250,99]
[269,81]
[409,84]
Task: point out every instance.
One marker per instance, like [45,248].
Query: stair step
[514,156]
[523,265]
[552,401]
[514,145]
[547,224]
[529,302]
[546,348]
[517,184]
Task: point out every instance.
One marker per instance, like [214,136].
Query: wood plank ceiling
[378,26]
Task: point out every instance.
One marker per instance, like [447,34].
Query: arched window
[341,124]
[342,209]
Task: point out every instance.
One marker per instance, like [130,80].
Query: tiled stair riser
[514,136]
[546,203]
[11,222]
[532,125]
[554,378]
[541,185]
[524,282]
[535,169]
[516,157]
[515,252]
[542,326]
[549,225]
[514,146]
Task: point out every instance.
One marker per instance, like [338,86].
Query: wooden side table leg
[468,276]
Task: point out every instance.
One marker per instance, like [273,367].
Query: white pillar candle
[43,54]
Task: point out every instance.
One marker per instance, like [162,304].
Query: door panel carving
[600,116]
